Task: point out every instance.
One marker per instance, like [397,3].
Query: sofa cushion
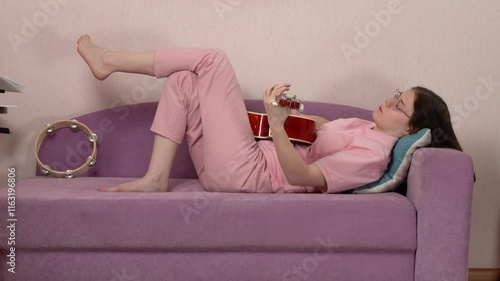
[70,213]
[400,162]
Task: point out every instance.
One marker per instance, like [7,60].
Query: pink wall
[350,52]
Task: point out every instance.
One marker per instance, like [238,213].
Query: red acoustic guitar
[299,129]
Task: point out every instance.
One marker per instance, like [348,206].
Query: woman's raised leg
[240,165]
[103,62]
[222,146]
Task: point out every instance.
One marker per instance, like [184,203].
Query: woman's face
[393,116]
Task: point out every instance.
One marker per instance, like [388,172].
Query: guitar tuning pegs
[288,96]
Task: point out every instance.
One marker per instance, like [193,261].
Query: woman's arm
[317,119]
[296,171]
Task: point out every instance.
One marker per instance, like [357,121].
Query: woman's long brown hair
[430,111]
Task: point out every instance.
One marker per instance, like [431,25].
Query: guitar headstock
[290,100]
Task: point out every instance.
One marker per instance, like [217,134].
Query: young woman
[202,101]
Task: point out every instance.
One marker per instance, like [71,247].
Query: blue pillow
[400,162]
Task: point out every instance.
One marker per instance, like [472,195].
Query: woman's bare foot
[95,57]
[140,185]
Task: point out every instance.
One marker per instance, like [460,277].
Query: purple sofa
[66,230]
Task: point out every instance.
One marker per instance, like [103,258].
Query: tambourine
[75,126]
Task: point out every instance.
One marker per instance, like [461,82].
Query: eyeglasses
[397,103]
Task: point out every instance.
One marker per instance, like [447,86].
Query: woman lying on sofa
[202,101]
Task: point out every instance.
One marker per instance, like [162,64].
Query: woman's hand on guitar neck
[276,114]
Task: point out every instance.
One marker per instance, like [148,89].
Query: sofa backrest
[125,141]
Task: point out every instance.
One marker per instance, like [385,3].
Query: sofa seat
[64,214]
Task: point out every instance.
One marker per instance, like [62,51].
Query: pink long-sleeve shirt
[347,151]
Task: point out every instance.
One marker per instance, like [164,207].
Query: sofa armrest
[440,185]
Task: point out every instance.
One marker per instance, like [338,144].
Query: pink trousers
[202,100]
